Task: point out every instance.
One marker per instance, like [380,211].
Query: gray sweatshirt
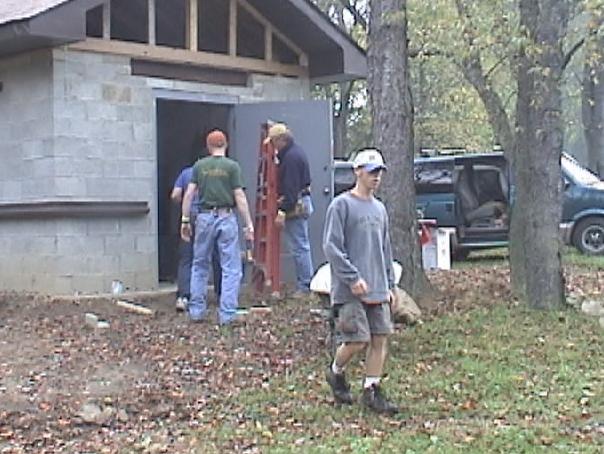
[356,243]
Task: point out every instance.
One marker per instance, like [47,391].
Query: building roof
[333,55]
[16,10]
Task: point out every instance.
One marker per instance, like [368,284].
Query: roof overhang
[332,54]
[62,24]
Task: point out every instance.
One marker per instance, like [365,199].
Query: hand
[392,296]
[280,219]
[359,288]
[185,232]
[248,233]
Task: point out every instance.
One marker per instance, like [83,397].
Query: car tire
[588,236]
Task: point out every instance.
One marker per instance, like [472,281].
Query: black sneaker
[374,399]
[339,387]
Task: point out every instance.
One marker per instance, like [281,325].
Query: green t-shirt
[216,178]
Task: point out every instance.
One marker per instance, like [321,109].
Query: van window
[433,176]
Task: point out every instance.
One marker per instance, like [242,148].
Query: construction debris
[137,308]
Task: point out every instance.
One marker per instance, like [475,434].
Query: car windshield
[579,174]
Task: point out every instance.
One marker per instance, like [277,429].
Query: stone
[593,308]
[404,309]
[91,319]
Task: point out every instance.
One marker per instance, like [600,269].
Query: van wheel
[459,254]
[588,236]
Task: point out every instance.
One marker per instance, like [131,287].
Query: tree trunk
[392,130]
[592,98]
[537,271]
[340,124]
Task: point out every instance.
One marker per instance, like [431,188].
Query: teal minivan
[472,192]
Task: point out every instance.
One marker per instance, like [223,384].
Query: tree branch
[569,55]
[352,9]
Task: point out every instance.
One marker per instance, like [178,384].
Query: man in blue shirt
[185,249]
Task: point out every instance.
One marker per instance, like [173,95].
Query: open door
[311,124]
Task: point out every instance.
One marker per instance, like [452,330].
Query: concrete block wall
[26,128]
[80,127]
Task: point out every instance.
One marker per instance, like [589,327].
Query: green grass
[499,256]
[503,379]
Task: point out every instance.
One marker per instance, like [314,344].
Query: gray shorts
[357,322]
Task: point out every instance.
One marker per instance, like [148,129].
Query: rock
[404,309]
[91,319]
[102,324]
[593,308]
[122,416]
[91,413]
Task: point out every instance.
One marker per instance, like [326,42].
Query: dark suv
[472,193]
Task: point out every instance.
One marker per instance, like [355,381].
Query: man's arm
[176,195]
[334,249]
[244,211]
[185,222]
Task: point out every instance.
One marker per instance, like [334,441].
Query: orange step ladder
[266,273]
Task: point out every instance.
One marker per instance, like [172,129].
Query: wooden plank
[302,57]
[192,30]
[151,21]
[233,28]
[173,55]
[107,20]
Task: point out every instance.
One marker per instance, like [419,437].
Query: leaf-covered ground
[481,374]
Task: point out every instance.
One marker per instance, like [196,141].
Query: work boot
[376,401]
[339,387]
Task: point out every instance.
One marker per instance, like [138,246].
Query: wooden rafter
[302,57]
[233,27]
[151,20]
[192,27]
[107,20]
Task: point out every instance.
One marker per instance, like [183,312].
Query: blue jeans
[296,233]
[185,262]
[222,231]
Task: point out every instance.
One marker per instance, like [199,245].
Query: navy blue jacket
[294,175]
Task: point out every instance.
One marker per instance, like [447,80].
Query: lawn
[480,374]
[494,379]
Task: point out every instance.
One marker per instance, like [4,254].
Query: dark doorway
[181,128]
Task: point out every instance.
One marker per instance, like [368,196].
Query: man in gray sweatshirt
[356,243]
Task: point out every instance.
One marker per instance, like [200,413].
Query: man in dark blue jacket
[295,204]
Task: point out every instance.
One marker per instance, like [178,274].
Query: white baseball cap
[370,159]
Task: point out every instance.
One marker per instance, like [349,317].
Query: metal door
[311,124]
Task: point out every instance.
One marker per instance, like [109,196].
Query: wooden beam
[107,20]
[151,21]
[233,28]
[302,57]
[192,24]
[180,56]
[268,43]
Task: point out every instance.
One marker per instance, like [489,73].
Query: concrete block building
[102,103]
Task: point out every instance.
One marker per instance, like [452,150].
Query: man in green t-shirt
[217,179]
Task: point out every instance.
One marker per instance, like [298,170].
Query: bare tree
[392,128]
[592,96]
